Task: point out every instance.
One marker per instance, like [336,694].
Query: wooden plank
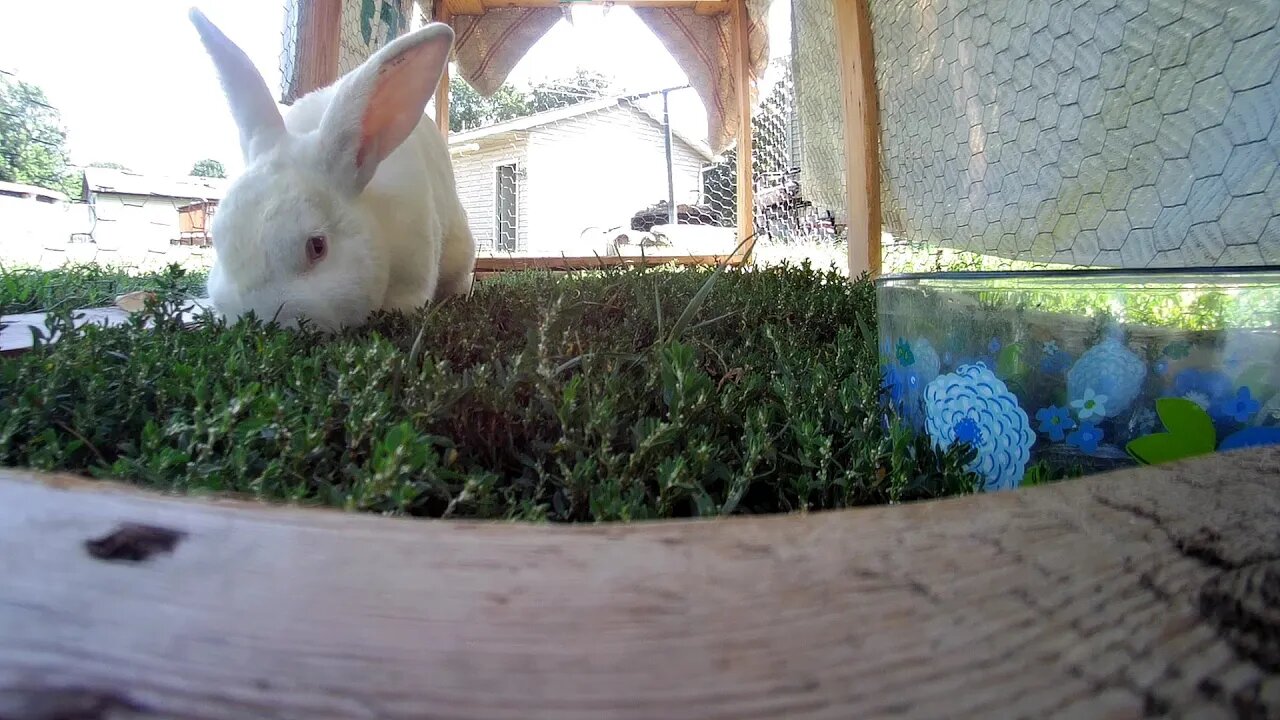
[15,330]
[861,134]
[318,44]
[709,7]
[463,7]
[443,14]
[740,51]
[1138,594]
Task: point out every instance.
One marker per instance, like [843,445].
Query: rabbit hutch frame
[317,54]
[1139,593]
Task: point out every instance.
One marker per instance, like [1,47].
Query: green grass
[618,395]
[79,286]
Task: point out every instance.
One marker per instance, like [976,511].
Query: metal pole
[671,183]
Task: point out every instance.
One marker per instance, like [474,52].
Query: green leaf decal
[1189,432]
[1009,363]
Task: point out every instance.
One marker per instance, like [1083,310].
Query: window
[506,208]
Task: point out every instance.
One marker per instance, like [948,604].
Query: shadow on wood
[1137,593]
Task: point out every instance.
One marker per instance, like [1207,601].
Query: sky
[135,87]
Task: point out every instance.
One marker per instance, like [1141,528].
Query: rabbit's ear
[376,108]
[254,111]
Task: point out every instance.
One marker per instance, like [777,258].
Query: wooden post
[1139,594]
[861,134]
[443,14]
[319,31]
[741,52]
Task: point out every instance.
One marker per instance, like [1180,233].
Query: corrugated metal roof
[124,182]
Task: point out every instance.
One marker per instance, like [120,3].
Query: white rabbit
[347,206]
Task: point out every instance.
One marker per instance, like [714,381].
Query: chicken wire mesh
[578,164]
[1133,133]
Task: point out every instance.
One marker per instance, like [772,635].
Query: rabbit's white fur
[356,163]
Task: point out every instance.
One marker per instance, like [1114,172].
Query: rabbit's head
[291,239]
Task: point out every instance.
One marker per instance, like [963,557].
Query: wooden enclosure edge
[1134,594]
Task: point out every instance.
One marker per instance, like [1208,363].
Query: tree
[32,141]
[582,86]
[108,166]
[469,110]
[208,168]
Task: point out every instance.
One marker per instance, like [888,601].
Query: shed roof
[34,190]
[125,182]
[542,119]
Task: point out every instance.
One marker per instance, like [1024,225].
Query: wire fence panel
[1131,133]
[819,107]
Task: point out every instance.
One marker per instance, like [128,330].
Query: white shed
[140,213]
[534,185]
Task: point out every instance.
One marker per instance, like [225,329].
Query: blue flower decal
[973,403]
[968,432]
[1210,389]
[1086,438]
[1251,437]
[894,385]
[1110,370]
[1055,421]
[1090,405]
[1055,362]
[1242,407]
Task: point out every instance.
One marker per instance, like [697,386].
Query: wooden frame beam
[319,29]
[479,7]
[861,134]
[740,44]
[1099,597]
[443,14]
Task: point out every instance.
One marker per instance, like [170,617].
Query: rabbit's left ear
[376,108]
[254,111]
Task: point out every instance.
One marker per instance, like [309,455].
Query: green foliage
[1188,433]
[209,168]
[539,398]
[80,286]
[469,110]
[108,165]
[581,86]
[32,141]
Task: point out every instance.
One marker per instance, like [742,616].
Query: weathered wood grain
[16,330]
[1139,594]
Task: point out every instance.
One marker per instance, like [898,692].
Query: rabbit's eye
[317,246]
